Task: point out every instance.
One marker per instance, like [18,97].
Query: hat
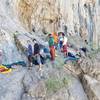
[50,35]
[34,40]
[63,33]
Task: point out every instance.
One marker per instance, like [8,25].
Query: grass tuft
[54,84]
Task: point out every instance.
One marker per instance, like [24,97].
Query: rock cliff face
[42,16]
[80,16]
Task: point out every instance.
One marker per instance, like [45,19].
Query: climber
[29,53]
[60,40]
[84,50]
[55,36]
[72,54]
[72,57]
[37,54]
[51,46]
[64,48]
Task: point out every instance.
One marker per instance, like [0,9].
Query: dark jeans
[38,59]
[60,43]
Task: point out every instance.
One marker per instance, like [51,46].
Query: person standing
[64,44]
[37,54]
[60,40]
[51,47]
[55,36]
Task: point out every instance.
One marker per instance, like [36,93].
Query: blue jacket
[30,50]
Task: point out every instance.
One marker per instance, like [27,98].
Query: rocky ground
[60,81]
[71,81]
[56,84]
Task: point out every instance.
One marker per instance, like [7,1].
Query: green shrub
[54,84]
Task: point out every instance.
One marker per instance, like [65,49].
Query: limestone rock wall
[80,16]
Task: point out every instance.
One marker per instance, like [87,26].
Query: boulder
[92,87]
[57,85]
[11,87]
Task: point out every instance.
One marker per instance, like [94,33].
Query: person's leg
[43,59]
[56,46]
[65,54]
[40,65]
[65,50]
[30,60]
[39,61]
[61,44]
[52,52]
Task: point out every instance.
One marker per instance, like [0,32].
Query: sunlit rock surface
[92,87]
[79,16]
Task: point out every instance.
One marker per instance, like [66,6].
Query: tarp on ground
[4,69]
